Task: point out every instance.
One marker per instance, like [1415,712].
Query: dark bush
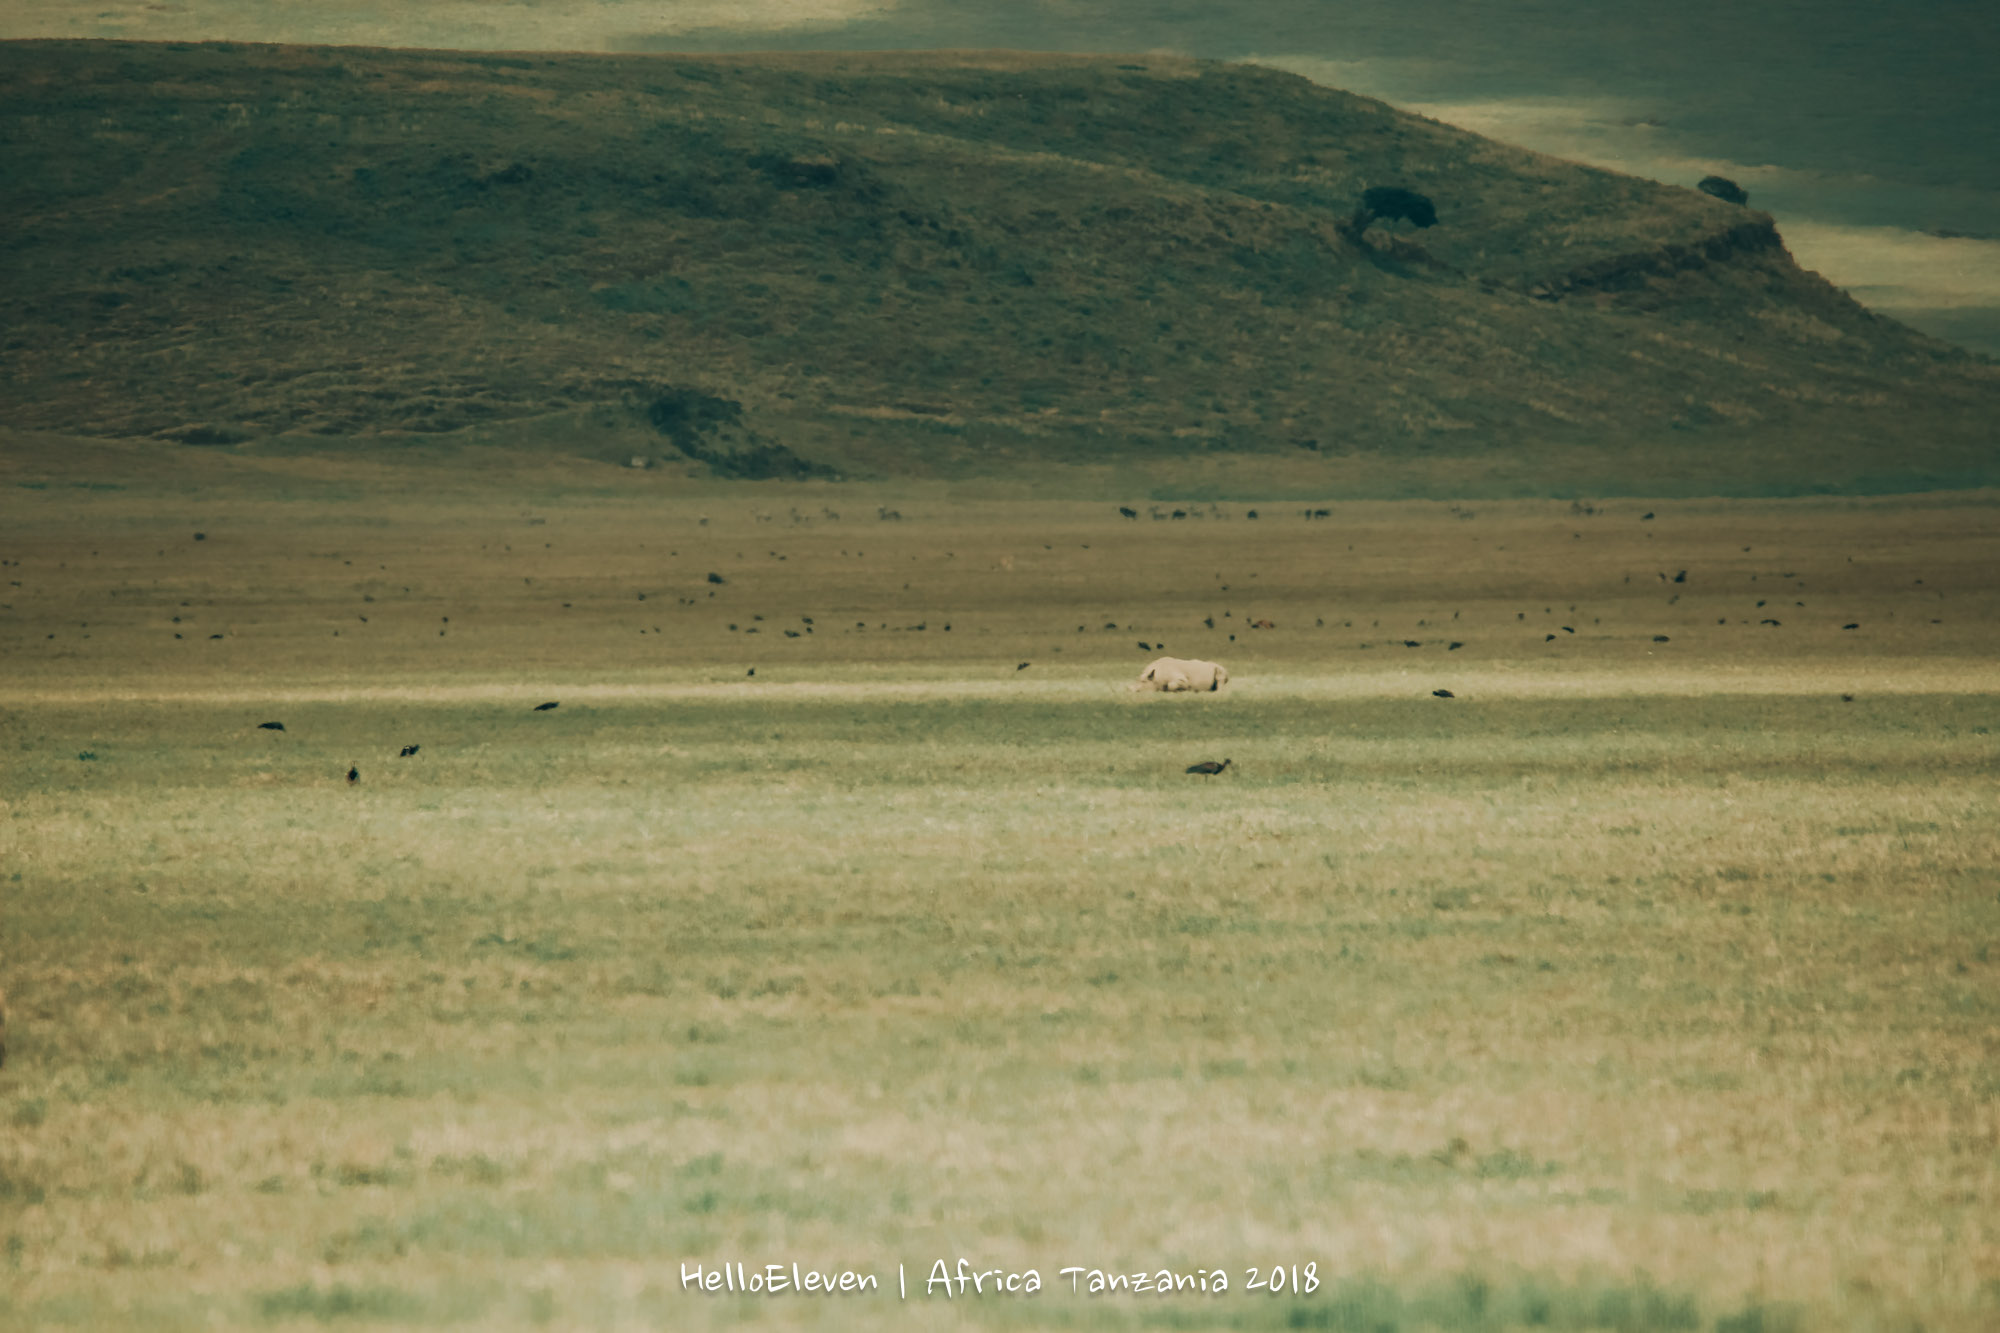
[684,415]
[1723,188]
[693,420]
[1391,202]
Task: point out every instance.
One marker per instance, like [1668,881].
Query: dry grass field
[1647,982]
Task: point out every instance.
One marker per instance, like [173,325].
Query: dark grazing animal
[270,726]
[1209,768]
[353,775]
[543,708]
[1444,694]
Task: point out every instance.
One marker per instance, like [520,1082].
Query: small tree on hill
[1391,202]
[1723,188]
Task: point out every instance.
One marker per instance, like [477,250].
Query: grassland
[1644,984]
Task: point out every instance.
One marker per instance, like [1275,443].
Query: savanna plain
[848,910]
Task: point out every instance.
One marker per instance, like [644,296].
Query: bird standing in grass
[543,708]
[353,775]
[408,750]
[1209,768]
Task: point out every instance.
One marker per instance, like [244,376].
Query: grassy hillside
[914,266]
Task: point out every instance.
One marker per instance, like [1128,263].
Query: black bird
[353,775]
[1855,625]
[1566,629]
[543,708]
[751,672]
[1847,698]
[1548,638]
[270,726]
[1643,517]
[1411,643]
[1444,694]
[1660,638]
[1681,577]
[1023,667]
[1455,646]
[1147,646]
[1128,513]
[407,751]
[1209,768]
[717,578]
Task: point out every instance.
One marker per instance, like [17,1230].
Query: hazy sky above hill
[1866,127]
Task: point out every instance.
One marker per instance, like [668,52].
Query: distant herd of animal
[1167,675]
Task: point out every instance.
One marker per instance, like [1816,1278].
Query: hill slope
[914,265]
